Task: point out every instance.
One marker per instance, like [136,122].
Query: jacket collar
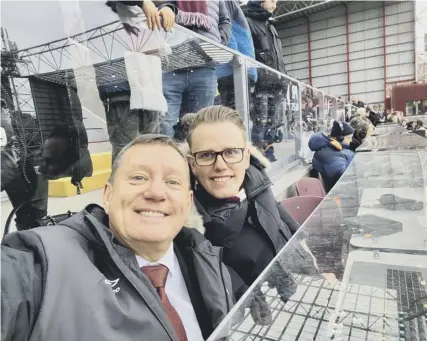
[93,224]
[256,12]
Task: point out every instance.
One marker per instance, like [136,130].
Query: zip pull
[79,186]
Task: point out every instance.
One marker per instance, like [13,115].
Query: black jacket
[251,231]
[268,47]
[74,282]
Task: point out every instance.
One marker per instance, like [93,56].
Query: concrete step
[64,188]
[101,161]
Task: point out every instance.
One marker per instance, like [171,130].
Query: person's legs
[260,117]
[174,85]
[201,89]
[149,122]
[226,91]
[122,125]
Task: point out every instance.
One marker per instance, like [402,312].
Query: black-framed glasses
[229,155]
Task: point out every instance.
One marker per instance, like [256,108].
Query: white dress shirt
[177,292]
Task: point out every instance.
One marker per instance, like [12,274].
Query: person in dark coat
[127,272]
[373,116]
[270,88]
[268,47]
[332,155]
[233,195]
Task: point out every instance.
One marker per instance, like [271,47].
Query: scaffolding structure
[17,97]
[289,10]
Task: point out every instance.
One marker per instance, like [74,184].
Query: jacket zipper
[223,282]
[274,44]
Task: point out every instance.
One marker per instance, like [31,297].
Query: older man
[129,272]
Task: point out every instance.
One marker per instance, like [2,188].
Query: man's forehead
[169,160]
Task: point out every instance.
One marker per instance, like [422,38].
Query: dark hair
[145,139]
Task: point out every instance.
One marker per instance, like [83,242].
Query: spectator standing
[123,123]
[270,87]
[190,89]
[129,272]
[332,155]
[240,40]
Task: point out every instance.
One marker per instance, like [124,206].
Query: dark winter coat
[268,47]
[76,282]
[330,158]
[252,231]
[240,40]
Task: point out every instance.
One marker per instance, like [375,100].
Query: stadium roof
[289,10]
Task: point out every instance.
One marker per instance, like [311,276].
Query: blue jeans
[186,91]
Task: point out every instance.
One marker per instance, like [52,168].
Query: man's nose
[220,164]
[155,191]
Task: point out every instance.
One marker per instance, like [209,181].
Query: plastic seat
[310,187]
[300,208]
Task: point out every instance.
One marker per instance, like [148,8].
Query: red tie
[157,275]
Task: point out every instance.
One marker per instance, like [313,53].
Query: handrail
[178,28]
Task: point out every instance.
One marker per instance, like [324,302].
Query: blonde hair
[217,114]
[361,112]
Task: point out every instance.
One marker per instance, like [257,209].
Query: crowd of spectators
[250,31]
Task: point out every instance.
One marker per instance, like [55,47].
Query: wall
[341,50]
[404,93]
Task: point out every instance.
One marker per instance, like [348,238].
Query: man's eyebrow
[168,169]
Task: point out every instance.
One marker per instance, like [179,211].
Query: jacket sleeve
[239,285]
[224,24]
[21,286]
[339,164]
[159,4]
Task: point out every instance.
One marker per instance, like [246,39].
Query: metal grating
[193,53]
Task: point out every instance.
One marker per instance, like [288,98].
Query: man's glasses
[229,155]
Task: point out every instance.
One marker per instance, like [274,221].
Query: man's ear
[106,197]
[247,158]
[191,197]
[192,163]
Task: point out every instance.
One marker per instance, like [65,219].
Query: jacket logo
[113,284]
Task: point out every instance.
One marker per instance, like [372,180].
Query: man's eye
[232,151]
[138,178]
[206,155]
[173,182]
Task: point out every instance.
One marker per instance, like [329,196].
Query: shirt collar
[169,260]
